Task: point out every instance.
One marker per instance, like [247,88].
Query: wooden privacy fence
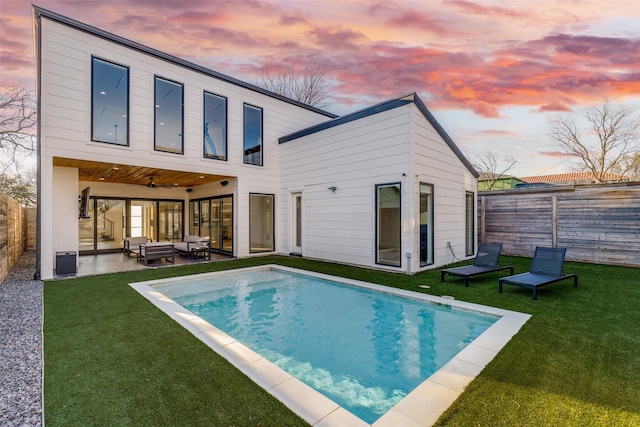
[596,223]
[13,233]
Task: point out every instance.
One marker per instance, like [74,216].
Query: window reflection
[426,224]
[215,127]
[252,135]
[168,116]
[110,102]
[389,225]
[261,223]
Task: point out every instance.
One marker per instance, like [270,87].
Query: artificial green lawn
[113,359]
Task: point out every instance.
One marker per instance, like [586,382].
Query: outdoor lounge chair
[486,261]
[546,267]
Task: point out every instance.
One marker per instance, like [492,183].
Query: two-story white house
[163,147]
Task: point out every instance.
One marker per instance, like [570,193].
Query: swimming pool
[366,347]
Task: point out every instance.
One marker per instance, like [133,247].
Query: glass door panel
[170,225]
[86,230]
[110,223]
[205,218]
[195,218]
[297,223]
[426,224]
[216,225]
[389,226]
[144,219]
[227,224]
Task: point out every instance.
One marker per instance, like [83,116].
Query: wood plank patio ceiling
[126,174]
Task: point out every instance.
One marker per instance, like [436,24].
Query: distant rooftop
[567,178]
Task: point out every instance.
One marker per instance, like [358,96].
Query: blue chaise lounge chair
[546,267]
[486,261]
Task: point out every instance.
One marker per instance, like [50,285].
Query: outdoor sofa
[132,245]
[194,246]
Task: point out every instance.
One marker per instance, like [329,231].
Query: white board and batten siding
[397,145]
[354,157]
[435,163]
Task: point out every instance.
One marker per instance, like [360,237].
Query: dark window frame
[377,225]
[273,222]
[95,58]
[210,201]
[431,243]
[93,200]
[155,116]
[244,134]
[226,126]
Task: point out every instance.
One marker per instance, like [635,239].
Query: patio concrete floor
[90,265]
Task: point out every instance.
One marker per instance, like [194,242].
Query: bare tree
[491,168]
[309,85]
[21,187]
[17,125]
[610,147]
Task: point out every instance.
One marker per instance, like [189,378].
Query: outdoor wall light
[333,189]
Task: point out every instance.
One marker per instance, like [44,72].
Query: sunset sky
[492,72]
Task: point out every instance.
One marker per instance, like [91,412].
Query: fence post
[483,211]
[554,220]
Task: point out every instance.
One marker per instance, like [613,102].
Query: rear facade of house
[135,142]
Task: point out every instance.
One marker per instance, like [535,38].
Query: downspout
[38,46]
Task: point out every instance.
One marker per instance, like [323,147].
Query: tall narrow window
[261,223]
[426,224]
[388,224]
[109,102]
[169,121]
[252,135]
[215,127]
[469,241]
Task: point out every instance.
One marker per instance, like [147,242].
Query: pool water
[365,350]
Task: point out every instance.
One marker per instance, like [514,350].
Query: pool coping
[420,408]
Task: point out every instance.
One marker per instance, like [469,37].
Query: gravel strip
[21,346]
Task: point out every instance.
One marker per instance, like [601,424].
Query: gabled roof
[379,108]
[77,25]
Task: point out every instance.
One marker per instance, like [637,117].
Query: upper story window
[215,127]
[169,123]
[109,102]
[252,148]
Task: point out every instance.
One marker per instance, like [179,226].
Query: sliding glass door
[111,220]
[213,218]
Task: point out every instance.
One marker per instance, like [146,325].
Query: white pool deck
[420,408]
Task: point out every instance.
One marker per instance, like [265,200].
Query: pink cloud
[554,106]
[498,132]
[337,38]
[478,9]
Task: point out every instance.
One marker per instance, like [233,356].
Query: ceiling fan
[152,184]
